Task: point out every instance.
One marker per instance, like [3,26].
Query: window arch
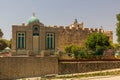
[35,30]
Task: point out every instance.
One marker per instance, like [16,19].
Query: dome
[33,19]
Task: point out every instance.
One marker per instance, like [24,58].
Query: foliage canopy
[97,42]
[77,51]
[3,44]
[118,28]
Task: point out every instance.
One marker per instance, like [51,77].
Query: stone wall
[23,67]
[19,67]
[86,66]
[71,36]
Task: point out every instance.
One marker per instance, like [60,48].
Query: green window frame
[50,40]
[20,40]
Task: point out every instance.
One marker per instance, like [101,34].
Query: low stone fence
[86,66]
[22,67]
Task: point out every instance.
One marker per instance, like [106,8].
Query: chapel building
[36,37]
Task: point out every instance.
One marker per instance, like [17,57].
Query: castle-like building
[36,37]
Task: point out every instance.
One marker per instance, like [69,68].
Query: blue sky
[93,13]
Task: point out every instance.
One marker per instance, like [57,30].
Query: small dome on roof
[33,19]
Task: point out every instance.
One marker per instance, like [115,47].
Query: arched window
[50,44]
[35,31]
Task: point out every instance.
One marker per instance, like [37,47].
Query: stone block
[31,53]
[45,53]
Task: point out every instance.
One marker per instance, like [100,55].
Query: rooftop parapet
[67,27]
[76,24]
[108,32]
[86,30]
[60,27]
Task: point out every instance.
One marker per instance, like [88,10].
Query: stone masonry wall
[23,67]
[19,67]
[87,66]
[71,36]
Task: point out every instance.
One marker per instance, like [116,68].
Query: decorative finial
[75,21]
[101,27]
[34,14]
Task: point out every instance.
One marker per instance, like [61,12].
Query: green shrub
[78,51]
[3,45]
[68,49]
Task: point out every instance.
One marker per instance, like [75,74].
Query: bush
[3,45]
[76,51]
[79,52]
[82,55]
[68,49]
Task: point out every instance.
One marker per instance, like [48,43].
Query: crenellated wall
[76,34]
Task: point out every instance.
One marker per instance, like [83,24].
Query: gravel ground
[109,77]
[88,78]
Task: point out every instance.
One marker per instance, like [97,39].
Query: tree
[118,28]
[8,42]
[97,42]
[3,44]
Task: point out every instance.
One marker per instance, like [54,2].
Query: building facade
[36,37]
